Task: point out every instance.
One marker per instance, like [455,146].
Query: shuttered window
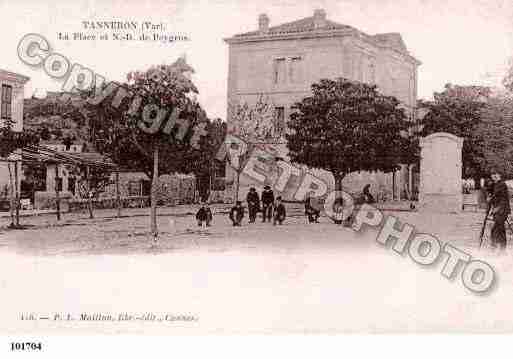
[6,110]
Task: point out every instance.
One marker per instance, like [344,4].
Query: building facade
[12,87]
[282,62]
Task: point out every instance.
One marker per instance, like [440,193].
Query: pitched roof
[303,25]
[317,25]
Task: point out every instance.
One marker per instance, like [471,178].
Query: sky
[460,42]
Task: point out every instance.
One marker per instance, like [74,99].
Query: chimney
[319,18]
[263,23]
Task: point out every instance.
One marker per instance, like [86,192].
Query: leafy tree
[345,127]
[253,124]
[119,132]
[495,135]
[207,165]
[508,78]
[55,117]
[457,110]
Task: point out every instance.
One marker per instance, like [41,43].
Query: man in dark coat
[267,203]
[368,197]
[311,210]
[237,214]
[279,211]
[253,204]
[204,214]
[500,210]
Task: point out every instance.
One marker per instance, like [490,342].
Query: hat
[267,187]
[496,171]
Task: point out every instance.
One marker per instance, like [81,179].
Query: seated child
[204,214]
[341,214]
[237,214]
[338,211]
[279,211]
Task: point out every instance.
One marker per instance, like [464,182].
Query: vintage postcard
[274,167]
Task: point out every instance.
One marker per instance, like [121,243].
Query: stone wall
[173,189]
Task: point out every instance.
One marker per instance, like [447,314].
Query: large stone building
[281,62]
[12,88]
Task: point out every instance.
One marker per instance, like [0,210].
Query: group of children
[272,209]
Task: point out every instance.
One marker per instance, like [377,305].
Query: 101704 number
[26,346]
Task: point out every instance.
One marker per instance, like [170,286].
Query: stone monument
[440,173]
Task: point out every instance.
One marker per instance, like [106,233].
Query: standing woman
[500,210]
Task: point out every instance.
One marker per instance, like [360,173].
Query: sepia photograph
[227,167]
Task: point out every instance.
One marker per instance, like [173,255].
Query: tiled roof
[317,25]
[91,156]
[303,25]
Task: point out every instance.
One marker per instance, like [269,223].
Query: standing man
[267,203]
[253,204]
[500,210]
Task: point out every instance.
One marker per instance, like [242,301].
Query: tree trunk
[338,181]
[210,181]
[154,189]
[11,194]
[237,186]
[17,193]
[118,199]
[89,194]
[410,182]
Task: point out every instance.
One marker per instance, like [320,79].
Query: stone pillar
[50,177]
[410,182]
[65,176]
[440,173]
